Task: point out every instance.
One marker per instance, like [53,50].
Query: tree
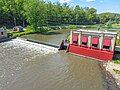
[39,13]
[104,17]
[12,10]
[35,12]
[90,15]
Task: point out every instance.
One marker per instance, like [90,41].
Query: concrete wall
[4,34]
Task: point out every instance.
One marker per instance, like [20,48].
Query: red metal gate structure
[94,44]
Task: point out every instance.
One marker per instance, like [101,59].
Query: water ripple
[15,53]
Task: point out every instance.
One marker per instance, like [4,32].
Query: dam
[26,65]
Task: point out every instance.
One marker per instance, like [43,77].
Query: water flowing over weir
[15,53]
[28,47]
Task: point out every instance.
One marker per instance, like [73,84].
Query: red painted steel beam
[92,53]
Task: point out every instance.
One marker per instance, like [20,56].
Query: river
[28,66]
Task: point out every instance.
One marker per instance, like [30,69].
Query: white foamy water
[15,54]
[33,47]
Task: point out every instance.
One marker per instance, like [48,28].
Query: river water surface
[29,66]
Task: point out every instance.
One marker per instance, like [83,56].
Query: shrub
[55,27]
[30,29]
[72,27]
[117,61]
[118,42]
[44,29]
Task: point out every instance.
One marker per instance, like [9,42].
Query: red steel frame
[91,52]
[101,55]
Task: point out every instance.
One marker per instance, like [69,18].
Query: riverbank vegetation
[13,34]
[40,14]
[118,42]
[117,61]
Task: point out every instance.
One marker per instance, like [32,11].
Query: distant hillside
[105,17]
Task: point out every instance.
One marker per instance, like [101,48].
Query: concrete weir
[44,43]
[32,45]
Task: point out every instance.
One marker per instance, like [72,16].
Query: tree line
[38,13]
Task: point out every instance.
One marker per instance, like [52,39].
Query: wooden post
[101,41]
[71,35]
[79,38]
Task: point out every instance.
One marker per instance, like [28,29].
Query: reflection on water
[27,66]
[52,38]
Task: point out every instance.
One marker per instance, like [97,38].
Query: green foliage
[58,27]
[28,30]
[116,26]
[55,27]
[44,29]
[35,11]
[105,17]
[12,11]
[99,27]
[118,42]
[118,39]
[108,24]
[72,27]
[89,26]
[38,13]
[117,61]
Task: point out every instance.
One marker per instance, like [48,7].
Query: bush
[118,42]
[44,29]
[64,27]
[30,28]
[55,27]
[72,27]
[10,34]
[117,61]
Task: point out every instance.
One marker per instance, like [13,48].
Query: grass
[18,34]
[116,25]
